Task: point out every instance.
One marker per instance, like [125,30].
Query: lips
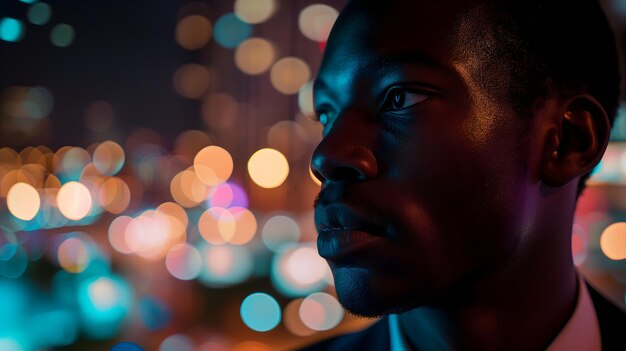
[345,231]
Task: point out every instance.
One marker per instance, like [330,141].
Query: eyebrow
[408,57]
[413,57]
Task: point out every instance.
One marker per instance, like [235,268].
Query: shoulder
[374,337]
[611,319]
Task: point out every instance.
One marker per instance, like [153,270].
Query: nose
[343,156]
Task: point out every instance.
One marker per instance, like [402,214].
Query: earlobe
[578,142]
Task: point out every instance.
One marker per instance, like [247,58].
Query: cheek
[465,205]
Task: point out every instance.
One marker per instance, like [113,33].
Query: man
[457,137]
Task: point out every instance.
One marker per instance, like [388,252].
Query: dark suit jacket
[612,321]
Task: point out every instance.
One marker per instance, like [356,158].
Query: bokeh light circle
[298,270]
[321,311]
[254,56]
[280,230]
[289,74]
[192,80]
[613,241]
[117,234]
[177,342]
[193,32]
[305,99]
[230,30]
[254,11]
[289,138]
[291,319]
[315,21]
[227,195]
[225,265]
[155,313]
[11,30]
[114,195]
[260,312]
[184,262]
[73,255]
[108,158]
[39,13]
[268,168]
[74,200]
[23,201]
[213,165]
[62,35]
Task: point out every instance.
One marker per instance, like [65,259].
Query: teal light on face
[29,1]
[39,13]
[11,29]
[260,312]
[62,35]
[230,31]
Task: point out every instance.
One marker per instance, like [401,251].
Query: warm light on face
[74,200]
[613,241]
[23,201]
[268,168]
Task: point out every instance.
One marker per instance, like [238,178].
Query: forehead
[372,34]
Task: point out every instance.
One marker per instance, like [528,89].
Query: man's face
[425,177]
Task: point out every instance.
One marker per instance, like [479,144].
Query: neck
[522,306]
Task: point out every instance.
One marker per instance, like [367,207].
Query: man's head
[450,130]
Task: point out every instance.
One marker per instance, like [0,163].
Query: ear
[577,142]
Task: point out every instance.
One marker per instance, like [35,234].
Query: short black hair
[546,48]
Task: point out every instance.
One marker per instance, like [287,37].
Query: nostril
[347,174]
[335,161]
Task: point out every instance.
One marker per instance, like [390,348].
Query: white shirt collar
[582,331]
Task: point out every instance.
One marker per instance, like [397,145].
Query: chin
[363,294]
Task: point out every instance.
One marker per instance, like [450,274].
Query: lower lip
[338,244]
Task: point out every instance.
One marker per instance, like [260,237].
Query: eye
[399,99]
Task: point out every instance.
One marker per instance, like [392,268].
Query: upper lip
[341,217]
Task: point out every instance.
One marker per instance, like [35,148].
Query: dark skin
[438,201]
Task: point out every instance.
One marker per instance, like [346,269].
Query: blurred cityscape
[155,192]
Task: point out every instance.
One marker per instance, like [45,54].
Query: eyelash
[317,117]
[387,105]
